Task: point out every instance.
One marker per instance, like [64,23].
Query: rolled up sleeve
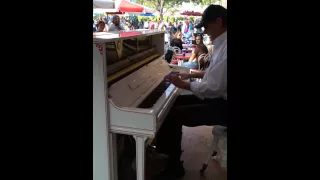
[215,83]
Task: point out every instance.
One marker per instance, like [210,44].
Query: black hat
[211,13]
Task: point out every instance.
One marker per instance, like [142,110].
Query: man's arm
[197,74]
[215,83]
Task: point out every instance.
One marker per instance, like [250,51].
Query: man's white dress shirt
[214,81]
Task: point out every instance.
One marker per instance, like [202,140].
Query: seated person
[116,24]
[94,27]
[194,59]
[210,47]
[101,27]
[176,41]
[198,40]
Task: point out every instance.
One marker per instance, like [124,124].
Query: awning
[103,4]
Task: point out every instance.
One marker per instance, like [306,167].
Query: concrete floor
[195,143]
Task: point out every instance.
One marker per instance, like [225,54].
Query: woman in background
[101,26]
[176,41]
[193,62]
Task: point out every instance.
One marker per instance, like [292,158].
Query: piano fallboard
[128,93]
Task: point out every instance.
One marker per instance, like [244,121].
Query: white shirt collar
[219,39]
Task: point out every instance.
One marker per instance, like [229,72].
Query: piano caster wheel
[204,167]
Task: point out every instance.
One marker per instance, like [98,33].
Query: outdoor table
[186,57]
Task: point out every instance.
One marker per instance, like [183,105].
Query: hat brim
[200,25]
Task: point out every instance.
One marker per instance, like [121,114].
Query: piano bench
[219,134]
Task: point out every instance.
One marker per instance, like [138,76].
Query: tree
[159,5]
[170,5]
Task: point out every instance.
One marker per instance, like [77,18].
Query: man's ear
[219,21]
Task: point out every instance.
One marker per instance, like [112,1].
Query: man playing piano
[208,105]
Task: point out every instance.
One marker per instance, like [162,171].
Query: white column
[100,125]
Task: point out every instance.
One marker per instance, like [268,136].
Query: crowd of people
[178,38]
[111,24]
[105,24]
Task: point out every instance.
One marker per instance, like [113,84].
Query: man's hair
[211,13]
[115,16]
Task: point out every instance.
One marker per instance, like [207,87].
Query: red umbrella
[191,13]
[126,6]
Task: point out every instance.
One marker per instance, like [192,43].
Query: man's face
[213,28]
[116,21]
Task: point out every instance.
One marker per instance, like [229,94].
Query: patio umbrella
[191,13]
[124,6]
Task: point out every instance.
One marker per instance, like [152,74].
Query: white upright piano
[129,94]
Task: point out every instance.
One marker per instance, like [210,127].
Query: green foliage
[191,19]
[180,18]
[172,19]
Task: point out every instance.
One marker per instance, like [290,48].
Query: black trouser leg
[188,111]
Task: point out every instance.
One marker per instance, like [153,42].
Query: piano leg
[113,156]
[140,157]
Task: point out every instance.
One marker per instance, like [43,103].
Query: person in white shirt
[207,105]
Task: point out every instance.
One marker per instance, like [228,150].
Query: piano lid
[101,37]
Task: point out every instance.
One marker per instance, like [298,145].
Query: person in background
[208,103]
[101,27]
[171,31]
[175,26]
[140,24]
[116,24]
[130,26]
[94,27]
[162,26]
[186,27]
[194,59]
[146,24]
[156,24]
[210,46]
[151,25]
[199,40]
[191,27]
[180,26]
[176,41]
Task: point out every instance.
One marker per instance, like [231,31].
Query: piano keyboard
[155,94]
